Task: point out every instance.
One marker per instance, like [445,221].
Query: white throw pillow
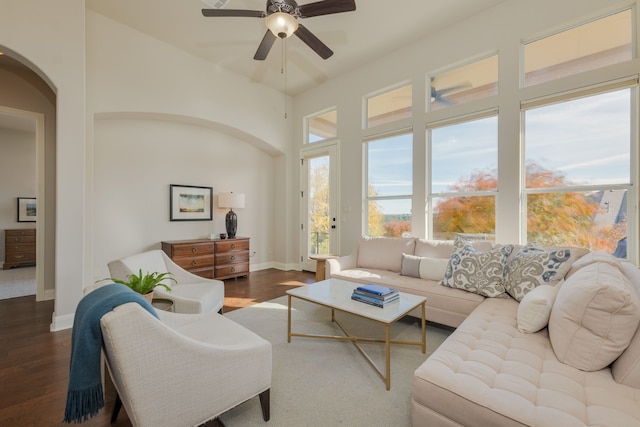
[594,318]
[433,268]
[535,308]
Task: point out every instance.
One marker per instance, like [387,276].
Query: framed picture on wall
[190,203]
[27,209]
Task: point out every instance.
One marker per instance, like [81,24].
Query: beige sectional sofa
[568,354]
[379,260]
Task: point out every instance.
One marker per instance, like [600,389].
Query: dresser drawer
[19,236]
[231,270]
[194,262]
[231,245]
[232,257]
[191,250]
[20,257]
[20,247]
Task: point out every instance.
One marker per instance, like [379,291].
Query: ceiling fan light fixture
[282,24]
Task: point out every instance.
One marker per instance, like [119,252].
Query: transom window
[470,82]
[390,106]
[322,126]
[589,46]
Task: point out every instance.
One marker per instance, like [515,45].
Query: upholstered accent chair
[191,293]
[184,369]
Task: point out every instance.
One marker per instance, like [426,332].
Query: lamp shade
[231,200]
[282,24]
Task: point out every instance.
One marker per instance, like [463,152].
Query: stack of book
[376,295]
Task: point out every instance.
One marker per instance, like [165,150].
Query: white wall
[155,122]
[499,29]
[49,37]
[135,161]
[17,178]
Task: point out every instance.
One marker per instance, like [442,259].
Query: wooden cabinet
[231,257]
[213,259]
[195,256]
[19,247]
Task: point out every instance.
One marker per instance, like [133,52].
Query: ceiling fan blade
[313,42]
[265,46]
[234,12]
[326,7]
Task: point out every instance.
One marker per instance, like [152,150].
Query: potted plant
[145,283]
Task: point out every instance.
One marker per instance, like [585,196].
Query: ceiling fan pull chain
[283,71]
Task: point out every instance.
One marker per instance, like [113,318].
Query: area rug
[17,282]
[319,382]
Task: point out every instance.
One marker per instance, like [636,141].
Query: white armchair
[191,293]
[183,370]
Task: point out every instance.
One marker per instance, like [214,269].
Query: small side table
[162,304]
[321,261]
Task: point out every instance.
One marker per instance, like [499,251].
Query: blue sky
[587,139]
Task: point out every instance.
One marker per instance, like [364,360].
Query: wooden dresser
[20,248]
[195,256]
[231,257]
[213,259]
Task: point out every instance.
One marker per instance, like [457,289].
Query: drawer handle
[193,263]
[194,250]
[233,257]
[233,269]
[18,256]
[233,246]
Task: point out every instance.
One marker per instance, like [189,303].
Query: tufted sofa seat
[487,373]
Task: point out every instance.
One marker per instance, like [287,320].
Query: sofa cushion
[535,308]
[475,271]
[384,253]
[423,267]
[533,266]
[444,248]
[433,268]
[594,317]
[626,369]
[410,265]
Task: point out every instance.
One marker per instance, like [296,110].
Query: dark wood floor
[34,363]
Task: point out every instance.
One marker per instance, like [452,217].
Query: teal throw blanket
[84,395]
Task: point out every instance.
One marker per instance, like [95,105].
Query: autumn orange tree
[554,218]
[319,209]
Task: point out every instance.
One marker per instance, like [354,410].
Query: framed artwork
[190,203]
[27,209]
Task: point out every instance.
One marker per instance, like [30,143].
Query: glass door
[319,213]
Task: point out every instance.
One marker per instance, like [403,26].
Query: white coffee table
[336,295]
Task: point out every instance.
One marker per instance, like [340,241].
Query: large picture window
[578,171]
[389,185]
[464,180]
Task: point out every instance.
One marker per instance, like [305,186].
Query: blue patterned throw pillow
[474,271]
[533,266]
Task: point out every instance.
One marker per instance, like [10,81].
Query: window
[389,185]
[593,45]
[578,171]
[390,106]
[322,126]
[464,180]
[463,84]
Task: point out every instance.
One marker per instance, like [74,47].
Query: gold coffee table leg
[289,320]
[387,349]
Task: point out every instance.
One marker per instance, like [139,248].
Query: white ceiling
[374,29]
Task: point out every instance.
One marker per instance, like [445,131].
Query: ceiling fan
[282,21]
